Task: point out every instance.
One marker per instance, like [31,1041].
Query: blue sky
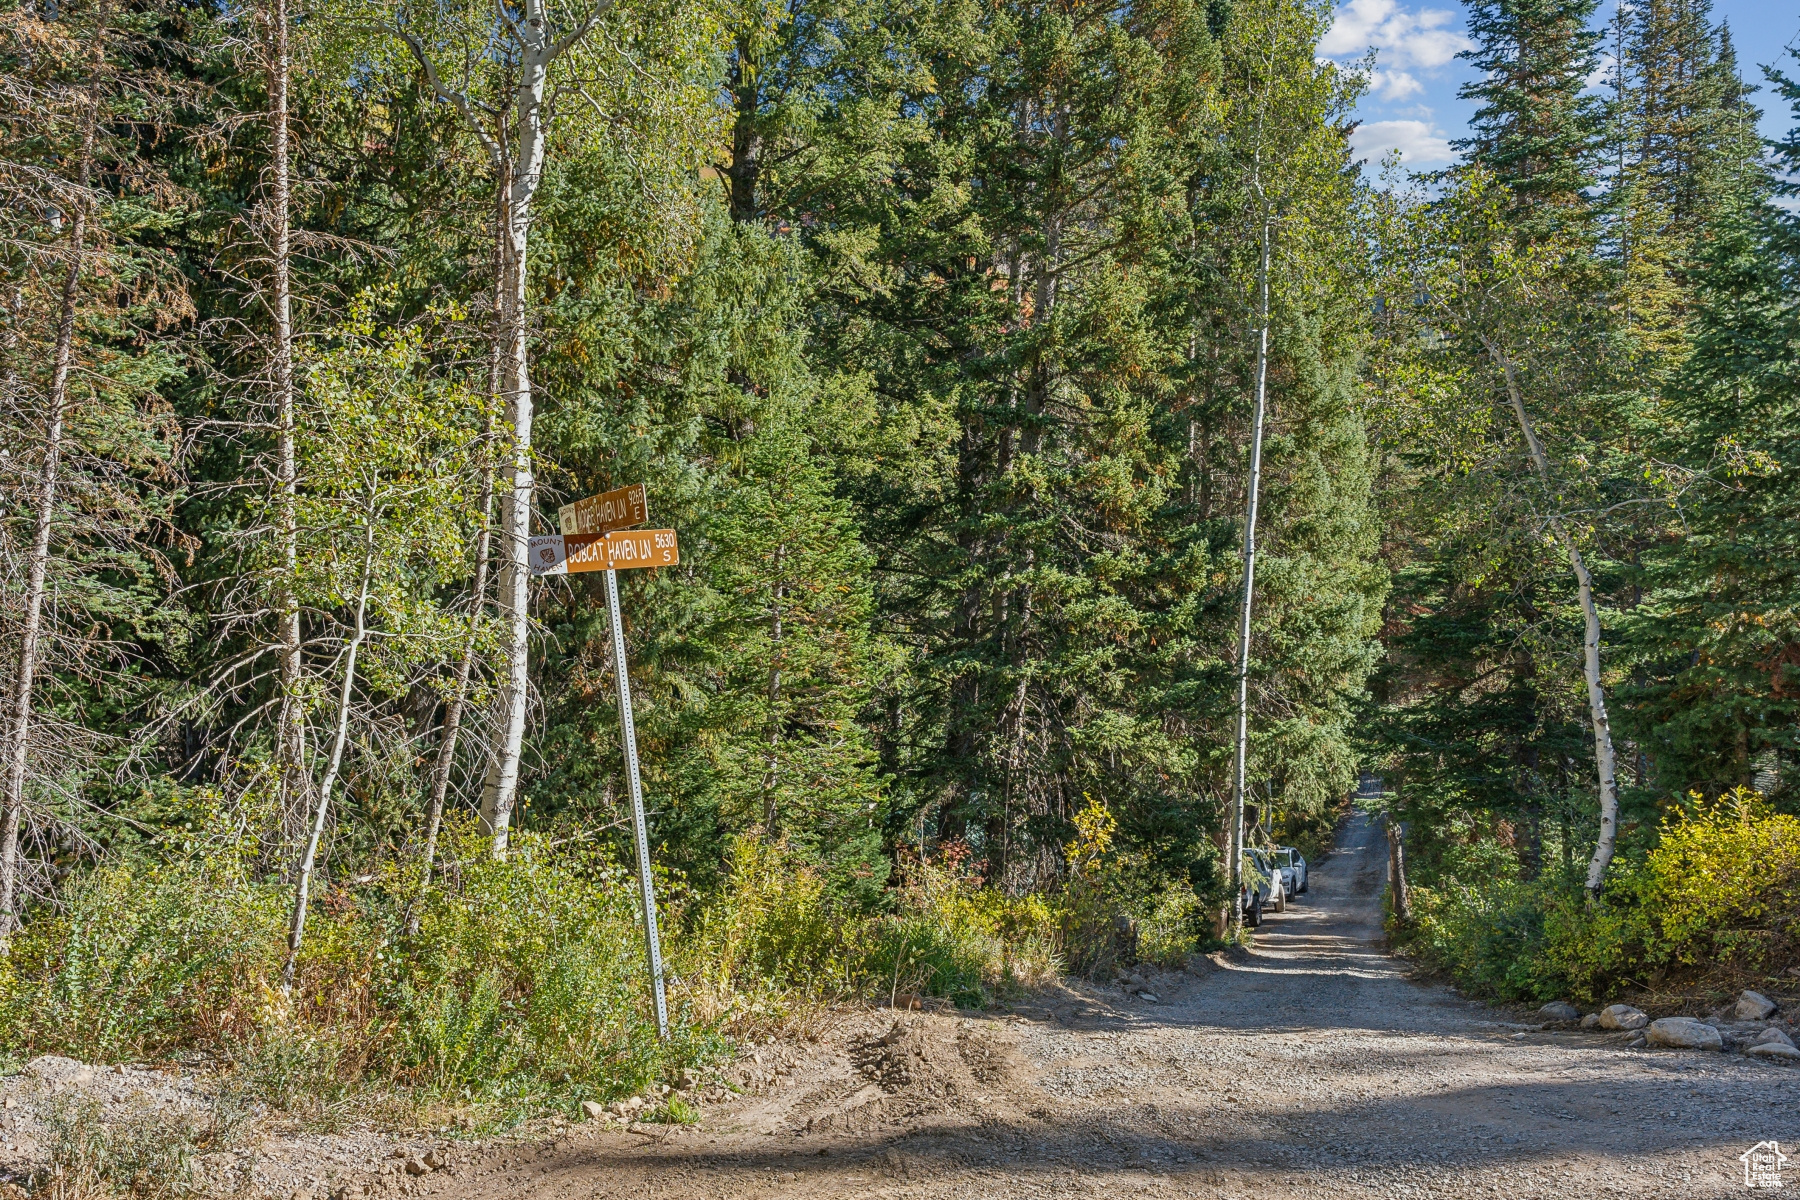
[1412,105]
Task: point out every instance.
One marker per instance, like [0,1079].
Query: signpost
[592,540]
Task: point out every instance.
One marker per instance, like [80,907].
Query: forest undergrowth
[523,990]
[1706,904]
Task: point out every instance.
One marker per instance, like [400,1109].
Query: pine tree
[1719,703]
[91,310]
[1535,130]
[1687,154]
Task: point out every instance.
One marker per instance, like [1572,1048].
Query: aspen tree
[340,735]
[515,137]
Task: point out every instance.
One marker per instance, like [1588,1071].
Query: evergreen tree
[1535,130]
[91,314]
[1687,154]
[1719,701]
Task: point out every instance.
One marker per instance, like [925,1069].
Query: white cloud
[1420,143]
[1602,74]
[1401,38]
[1394,85]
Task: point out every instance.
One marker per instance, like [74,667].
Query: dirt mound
[902,1058]
[904,1070]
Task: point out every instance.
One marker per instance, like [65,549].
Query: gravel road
[1311,1066]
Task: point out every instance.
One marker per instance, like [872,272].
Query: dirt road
[1310,1067]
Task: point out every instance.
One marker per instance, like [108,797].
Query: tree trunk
[772,766]
[746,135]
[303,879]
[501,787]
[281,370]
[37,574]
[1604,764]
[1243,648]
[1398,895]
[517,154]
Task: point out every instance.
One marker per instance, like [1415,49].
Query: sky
[1412,104]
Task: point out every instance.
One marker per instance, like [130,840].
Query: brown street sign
[606,512]
[641,548]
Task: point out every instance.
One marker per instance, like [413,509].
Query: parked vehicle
[1293,868]
[1262,888]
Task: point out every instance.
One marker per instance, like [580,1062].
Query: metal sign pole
[646,886]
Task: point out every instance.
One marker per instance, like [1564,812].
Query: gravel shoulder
[1312,1065]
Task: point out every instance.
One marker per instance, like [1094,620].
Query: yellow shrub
[1723,885]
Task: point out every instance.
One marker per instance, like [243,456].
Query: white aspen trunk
[18,733]
[1241,754]
[1605,763]
[303,880]
[287,735]
[524,137]
[500,789]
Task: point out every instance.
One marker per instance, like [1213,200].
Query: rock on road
[1311,1066]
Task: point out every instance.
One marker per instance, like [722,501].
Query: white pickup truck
[1293,868]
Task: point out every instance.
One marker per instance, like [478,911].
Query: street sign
[555,554]
[606,512]
[594,538]
[547,555]
[640,548]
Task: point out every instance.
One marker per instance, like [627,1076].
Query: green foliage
[142,960]
[771,927]
[1715,902]
[1716,687]
[451,1030]
[954,938]
[529,975]
[525,981]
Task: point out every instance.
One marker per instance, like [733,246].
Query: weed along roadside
[1038,1083]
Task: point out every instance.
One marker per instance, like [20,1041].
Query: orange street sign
[586,553]
[639,548]
[605,512]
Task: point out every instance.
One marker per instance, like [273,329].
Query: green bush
[1176,923]
[524,985]
[773,937]
[956,939]
[527,977]
[1714,900]
[1490,937]
[141,960]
